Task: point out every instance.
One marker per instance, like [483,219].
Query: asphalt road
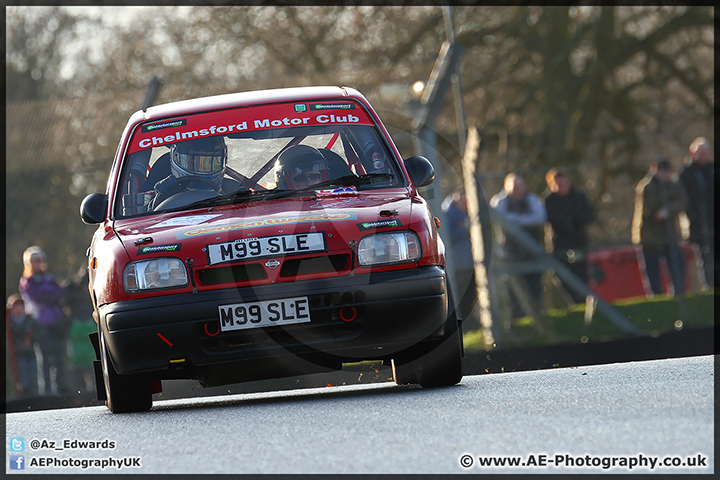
[632,414]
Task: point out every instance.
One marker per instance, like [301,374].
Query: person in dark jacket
[569,212]
[698,179]
[659,199]
[21,329]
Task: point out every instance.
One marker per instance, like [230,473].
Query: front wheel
[125,393]
[441,366]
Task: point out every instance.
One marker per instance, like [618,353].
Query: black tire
[125,393]
[441,366]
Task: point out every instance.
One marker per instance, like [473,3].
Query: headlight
[154,274]
[387,248]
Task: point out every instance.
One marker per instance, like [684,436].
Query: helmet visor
[308,173]
[304,179]
[201,162]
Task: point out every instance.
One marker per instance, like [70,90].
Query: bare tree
[33,53]
[566,82]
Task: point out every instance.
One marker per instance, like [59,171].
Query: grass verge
[652,316]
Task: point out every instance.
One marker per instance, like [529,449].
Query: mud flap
[99,380]
[462,342]
[97,367]
[95,343]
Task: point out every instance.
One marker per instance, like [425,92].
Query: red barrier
[615,272]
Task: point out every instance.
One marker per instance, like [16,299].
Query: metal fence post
[480,240]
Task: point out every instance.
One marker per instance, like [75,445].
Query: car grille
[303,266]
[291,268]
[235,273]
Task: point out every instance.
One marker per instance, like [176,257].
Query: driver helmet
[300,166]
[202,158]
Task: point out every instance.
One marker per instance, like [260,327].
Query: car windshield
[250,154]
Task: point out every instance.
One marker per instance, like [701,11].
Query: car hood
[343,218]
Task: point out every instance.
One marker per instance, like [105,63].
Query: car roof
[256,97]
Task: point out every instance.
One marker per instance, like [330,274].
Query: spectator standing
[698,179]
[569,211]
[43,301]
[21,345]
[527,211]
[659,199]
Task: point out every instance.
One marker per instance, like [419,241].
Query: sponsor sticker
[174,247]
[379,224]
[160,126]
[299,218]
[184,221]
[336,191]
[332,106]
[300,108]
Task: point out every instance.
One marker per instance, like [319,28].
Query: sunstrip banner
[245,119]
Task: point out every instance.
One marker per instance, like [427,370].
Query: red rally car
[260,235]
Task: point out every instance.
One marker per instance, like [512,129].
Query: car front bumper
[166,336]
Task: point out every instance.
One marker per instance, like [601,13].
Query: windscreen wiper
[237,196]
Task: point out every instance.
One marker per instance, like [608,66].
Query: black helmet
[203,158]
[300,166]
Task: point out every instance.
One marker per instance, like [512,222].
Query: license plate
[258,247]
[285,311]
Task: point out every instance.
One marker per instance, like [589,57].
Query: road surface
[616,418]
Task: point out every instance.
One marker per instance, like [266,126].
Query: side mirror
[93,207]
[421,170]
